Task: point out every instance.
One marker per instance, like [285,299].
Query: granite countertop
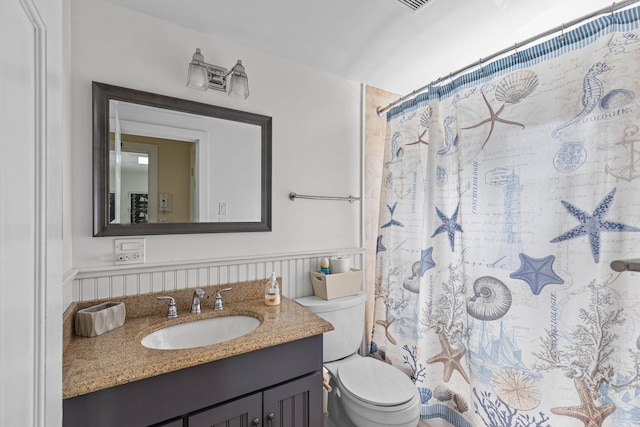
[117,357]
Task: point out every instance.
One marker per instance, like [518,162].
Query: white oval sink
[200,332]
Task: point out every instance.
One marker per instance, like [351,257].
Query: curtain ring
[480,65]
[561,36]
[515,48]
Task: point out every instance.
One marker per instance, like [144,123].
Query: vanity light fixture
[203,76]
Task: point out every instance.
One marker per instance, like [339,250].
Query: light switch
[165,202]
[130,246]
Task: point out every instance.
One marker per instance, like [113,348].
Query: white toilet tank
[347,317]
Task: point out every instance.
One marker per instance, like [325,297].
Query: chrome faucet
[198,294]
[172,311]
[218,304]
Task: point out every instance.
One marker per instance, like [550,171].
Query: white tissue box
[332,286]
[101,318]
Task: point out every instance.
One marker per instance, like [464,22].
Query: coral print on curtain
[507,192]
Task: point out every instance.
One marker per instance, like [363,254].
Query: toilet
[366,391]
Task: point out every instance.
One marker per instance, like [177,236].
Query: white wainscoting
[88,284]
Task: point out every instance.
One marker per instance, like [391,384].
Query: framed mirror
[164,165]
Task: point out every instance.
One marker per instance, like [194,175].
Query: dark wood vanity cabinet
[243,412]
[275,386]
[286,405]
[289,404]
[173,423]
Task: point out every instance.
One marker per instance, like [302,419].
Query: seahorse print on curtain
[592,92]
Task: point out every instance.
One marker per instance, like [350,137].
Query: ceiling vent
[414,5]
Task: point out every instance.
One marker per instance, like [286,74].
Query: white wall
[316,133]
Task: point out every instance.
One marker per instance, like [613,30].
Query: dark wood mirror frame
[102,94]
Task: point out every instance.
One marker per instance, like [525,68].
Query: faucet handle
[218,304]
[172,311]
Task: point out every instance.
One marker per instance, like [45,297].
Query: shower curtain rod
[561,28]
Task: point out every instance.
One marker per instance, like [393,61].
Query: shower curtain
[506,194]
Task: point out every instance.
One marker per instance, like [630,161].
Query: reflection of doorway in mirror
[180,150]
[138,174]
[169,172]
[174,180]
[170,194]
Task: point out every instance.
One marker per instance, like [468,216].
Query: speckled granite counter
[117,357]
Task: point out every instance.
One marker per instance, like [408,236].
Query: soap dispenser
[272,291]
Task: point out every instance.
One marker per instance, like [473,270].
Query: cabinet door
[297,403]
[243,412]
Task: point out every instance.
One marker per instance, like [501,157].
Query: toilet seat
[374,382]
[368,391]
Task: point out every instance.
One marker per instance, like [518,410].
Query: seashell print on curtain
[506,195]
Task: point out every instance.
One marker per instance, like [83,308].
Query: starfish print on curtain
[426,261]
[592,225]
[590,414]
[449,225]
[379,246]
[511,90]
[450,358]
[420,140]
[392,221]
[424,122]
[537,272]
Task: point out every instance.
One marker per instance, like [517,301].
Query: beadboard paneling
[135,280]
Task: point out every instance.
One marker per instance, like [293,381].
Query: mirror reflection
[176,166]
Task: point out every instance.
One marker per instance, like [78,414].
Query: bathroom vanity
[270,376]
[286,379]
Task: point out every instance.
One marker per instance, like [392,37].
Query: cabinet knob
[256,421]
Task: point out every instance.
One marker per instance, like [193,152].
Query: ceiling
[382,43]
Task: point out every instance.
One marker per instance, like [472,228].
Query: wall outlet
[129,251]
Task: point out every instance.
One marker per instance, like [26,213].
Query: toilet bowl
[373,393]
[366,391]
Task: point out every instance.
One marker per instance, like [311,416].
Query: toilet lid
[376,382]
